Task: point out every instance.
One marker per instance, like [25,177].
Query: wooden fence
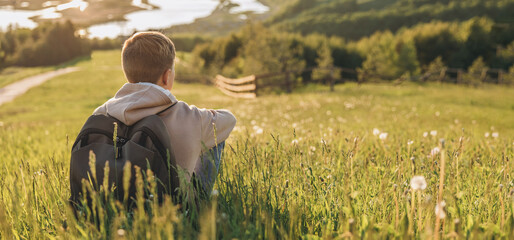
[241,88]
[250,86]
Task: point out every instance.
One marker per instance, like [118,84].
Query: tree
[476,72]
[389,58]
[325,69]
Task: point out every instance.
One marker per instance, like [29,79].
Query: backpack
[145,144]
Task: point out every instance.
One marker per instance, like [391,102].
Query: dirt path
[11,91]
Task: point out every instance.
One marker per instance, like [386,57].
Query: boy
[148,64]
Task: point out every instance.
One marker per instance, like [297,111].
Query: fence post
[483,75]
[256,86]
[332,79]
[442,75]
[288,83]
[459,76]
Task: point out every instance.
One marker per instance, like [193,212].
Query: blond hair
[146,56]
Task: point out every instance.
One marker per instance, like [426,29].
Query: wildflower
[376,131]
[425,134]
[215,192]
[294,142]
[253,122]
[418,183]
[435,151]
[439,210]
[313,149]
[433,133]
[121,232]
[295,125]
[382,136]
[410,142]
[495,135]
[486,135]
[258,130]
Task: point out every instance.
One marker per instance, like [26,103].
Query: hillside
[353,19]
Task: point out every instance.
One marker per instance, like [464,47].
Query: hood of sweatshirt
[135,101]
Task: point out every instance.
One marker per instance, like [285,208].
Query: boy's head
[147,56]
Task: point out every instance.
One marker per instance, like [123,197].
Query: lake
[170,12]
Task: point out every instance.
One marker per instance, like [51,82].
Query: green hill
[353,19]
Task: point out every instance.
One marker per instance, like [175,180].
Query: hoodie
[191,129]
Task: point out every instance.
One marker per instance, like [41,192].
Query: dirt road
[10,92]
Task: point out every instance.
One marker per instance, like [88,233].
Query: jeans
[207,168]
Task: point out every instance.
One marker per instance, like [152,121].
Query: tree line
[259,49]
[48,44]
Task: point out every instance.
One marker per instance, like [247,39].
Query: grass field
[302,165]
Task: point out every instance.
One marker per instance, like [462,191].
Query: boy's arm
[216,126]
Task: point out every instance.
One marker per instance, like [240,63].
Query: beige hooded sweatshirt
[191,129]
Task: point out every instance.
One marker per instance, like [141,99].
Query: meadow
[307,165]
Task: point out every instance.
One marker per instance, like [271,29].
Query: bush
[48,44]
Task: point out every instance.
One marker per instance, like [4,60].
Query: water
[21,18]
[171,12]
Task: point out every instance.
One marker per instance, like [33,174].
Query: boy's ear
[164,77]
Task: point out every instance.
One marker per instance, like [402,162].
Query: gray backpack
[146,144]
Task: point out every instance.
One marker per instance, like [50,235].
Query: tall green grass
[303,165]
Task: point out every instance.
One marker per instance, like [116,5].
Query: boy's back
[192,130]
[148,63]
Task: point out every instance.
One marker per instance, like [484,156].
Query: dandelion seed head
[495,134]
[439,210]
[294,142]
[418,183]
[435,151]
[425,134]
[313,149]
[383,136]
[120,232]
[376,131]
[410,142]
[215,192]
[433,133]
[486,135]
